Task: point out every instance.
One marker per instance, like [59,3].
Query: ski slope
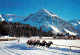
[21,48]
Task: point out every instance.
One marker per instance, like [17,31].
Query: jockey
[44,41]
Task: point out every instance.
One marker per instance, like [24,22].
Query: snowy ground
[15,48]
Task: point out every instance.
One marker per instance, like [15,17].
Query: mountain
[44,19]
[75,23]
[10,18]
[49,21]
[1,19]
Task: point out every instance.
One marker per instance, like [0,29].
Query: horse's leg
[43,47]
[27,45]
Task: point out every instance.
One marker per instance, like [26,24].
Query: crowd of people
[39,43]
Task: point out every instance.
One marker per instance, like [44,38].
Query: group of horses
[39,43]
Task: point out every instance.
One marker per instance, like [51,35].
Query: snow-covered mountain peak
[44,19]
[49,21]
[46,12]
[75,23]
[10,17]
[43,10]
[0,16]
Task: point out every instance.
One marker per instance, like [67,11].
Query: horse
[49,44]
[43,43]
[29,42]
[38,43]
[32,42]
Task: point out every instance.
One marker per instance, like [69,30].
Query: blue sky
[66,9]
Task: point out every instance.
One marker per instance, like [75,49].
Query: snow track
[15,48]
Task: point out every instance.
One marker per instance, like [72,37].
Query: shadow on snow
[24,46]
[65,49]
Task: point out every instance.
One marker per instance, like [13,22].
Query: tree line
[19,30]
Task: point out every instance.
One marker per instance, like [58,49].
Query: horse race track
[21,48]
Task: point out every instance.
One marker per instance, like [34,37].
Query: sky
[66,9]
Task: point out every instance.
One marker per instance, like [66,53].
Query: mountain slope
[44,19]
[75,23]
[1,19]
[49,21]
[10,18]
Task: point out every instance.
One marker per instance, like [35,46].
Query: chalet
[72,37]
[78,37]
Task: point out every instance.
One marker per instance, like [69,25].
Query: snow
[55,29]
[55,15]
[74,24]
[0,16]
[10,19]
[21,48]
[56,24]
[71,33]
[5,37]
[50,13]
[78,22]
[2,19]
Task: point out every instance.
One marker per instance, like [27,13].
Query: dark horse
[49,44]
[43,43]
[33,42]
[38,43]
[29,42]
